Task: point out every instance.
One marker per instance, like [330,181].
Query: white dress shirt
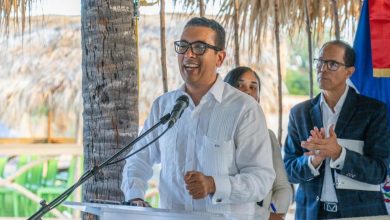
[329,118]
[225,136]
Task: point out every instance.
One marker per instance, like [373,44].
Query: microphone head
[184,99]
[181,104]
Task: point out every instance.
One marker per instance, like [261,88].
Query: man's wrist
[211,184]
[337,154]
[315,162]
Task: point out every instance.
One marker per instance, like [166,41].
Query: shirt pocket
[216,156]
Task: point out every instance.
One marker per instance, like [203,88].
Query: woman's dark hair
[234,75]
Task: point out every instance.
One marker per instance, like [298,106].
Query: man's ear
[350,71]
[221,57]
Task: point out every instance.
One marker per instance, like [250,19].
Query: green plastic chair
[51,175]
[49,193]
[34,176]
[13,201]
[31,180]
[34,182]
[21,203]
[4,211]
[37,179]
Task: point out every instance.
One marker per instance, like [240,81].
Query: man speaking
[217,156]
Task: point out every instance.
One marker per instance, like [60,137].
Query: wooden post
[336,20]
[163,46]
[308,30]
[236,39]
[280,94]
[202,8]
[49,119]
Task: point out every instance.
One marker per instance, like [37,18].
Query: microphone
[178,109]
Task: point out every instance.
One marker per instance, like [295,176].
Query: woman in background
[280,196]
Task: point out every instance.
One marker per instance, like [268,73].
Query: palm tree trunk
[336,20]
[277,39]
[236,39]
[202,8]
[109,90]
[163,47]
[308,30]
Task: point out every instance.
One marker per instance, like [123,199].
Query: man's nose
[323,66]
[189,53]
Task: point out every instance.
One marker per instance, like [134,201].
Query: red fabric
[379,11]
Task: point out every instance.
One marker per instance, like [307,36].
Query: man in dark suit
[338,144]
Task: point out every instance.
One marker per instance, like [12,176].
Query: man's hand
[275,216]
[139,202]
[315,135]
[323,147]
[198,184]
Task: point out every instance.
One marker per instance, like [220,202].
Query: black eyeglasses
[332,65]
[197,47]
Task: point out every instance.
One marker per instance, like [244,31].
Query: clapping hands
[320,146]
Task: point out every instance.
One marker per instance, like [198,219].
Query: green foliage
[298,83]
[42,110]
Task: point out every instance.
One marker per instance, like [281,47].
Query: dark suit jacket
[361,118]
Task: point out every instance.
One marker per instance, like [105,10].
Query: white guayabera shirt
[225,137]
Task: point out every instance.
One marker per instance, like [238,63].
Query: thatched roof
[255,13]
[257,16]
[43,72]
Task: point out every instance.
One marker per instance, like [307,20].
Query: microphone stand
[45,208]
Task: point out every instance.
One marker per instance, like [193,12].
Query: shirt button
[317,198]
[219,200]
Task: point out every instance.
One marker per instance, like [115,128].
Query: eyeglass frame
[326,62]
[196,42]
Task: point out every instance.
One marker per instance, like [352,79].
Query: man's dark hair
[349,52]
[220,34]
[234,75]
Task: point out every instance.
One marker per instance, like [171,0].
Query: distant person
[217,157]
[247,81]
[338,144]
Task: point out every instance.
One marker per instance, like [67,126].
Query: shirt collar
[216,89]
[339,104]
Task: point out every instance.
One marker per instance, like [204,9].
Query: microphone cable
[45,208]
[147,145]
[117,161]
